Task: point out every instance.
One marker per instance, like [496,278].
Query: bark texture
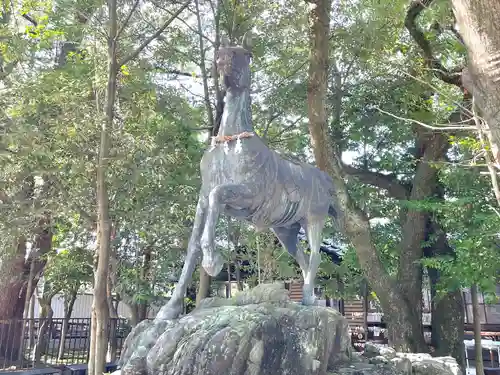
[479,27]
[447,310]
[100,307]
[16,273]
[477,330]
[404,324]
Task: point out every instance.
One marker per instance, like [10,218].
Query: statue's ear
[247,41]
[224,41]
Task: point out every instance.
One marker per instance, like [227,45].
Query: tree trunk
[27,300]
[448,310]
[477,330]
[100,308]
[44,331]
[328,301]
[31,326]
[478,26]
[69,303]
[113,304]
[113,327]
[12,303]
[134,315]
[142,308]
[204,287]
[237,274]
[447,325]
[404,325]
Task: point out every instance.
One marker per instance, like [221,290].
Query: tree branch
[139,49]
[30,19]
[197,32]
[204,75]
[127,19]
[440,128]
[178,72]
[272,117]
[387,182]
[416,7]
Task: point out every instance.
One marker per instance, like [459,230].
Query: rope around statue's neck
[225,139]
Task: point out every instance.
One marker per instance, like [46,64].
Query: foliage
[51,109]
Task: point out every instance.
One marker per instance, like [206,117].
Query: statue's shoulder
[290,158]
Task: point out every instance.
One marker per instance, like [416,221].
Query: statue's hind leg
[314,230]
[289,240]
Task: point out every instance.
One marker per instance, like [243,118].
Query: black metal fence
[29,343]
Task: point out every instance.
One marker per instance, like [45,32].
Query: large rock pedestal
[259,332]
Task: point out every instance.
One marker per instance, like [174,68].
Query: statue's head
[233,63]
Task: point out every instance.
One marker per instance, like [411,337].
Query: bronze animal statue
[244,179]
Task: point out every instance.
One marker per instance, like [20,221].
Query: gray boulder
[259,332]
[380,360]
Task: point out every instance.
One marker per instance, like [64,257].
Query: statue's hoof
[308,300]
[212,262]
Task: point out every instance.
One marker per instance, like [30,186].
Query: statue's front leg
[227,194]
[175,305]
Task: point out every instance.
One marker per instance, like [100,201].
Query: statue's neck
[237,115]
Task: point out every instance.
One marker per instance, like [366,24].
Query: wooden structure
[352,309]
[363,316]
[489,315]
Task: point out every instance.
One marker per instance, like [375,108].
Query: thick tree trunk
[447,324]
[15,276]
[12,302]
[477,330]
[448,310]
[478,25]
[403,323]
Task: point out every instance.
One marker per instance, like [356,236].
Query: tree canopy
[413,161]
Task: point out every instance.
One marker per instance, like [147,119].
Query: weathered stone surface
[373,350]
[369,369]
[381,360]
[260,332]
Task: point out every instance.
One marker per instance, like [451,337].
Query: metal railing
[30,343]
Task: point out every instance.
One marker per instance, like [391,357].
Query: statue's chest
[227,164]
